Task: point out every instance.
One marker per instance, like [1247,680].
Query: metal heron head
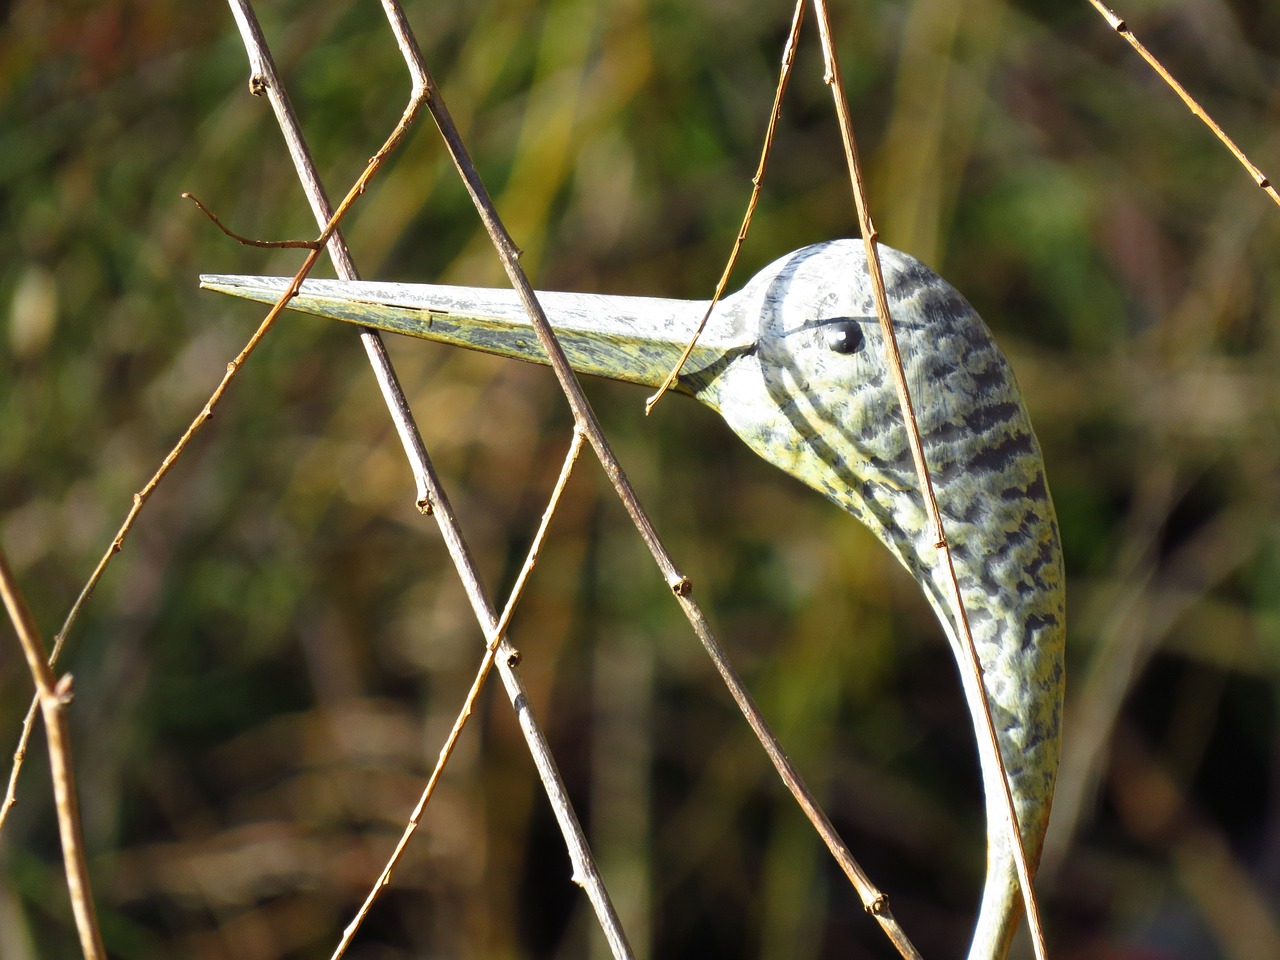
[795,364]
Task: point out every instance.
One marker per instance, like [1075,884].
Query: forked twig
[869,238]
[1122,28]
[53,696]
[491,649]
[757,181]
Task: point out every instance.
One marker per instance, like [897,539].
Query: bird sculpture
[795,363]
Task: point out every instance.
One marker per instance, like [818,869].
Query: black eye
[843,336]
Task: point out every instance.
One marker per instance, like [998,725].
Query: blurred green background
[267,671]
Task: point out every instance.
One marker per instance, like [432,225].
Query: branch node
[63,691]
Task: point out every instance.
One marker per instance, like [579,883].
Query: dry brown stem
[53,695]
[894,357]
[757,181]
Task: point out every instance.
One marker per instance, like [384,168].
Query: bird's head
[807,386]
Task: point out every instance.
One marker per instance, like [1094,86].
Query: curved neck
[1001,907]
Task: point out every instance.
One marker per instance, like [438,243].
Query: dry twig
[757,181]
[1122,28]
[53,695]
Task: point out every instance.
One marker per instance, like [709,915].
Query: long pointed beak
[634,339]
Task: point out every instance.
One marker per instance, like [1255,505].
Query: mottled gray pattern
[831,418]
[833,421]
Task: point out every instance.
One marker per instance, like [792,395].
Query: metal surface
[795,364]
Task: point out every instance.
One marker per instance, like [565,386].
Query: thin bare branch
[431,496]
[468,706]
[757,181]
[249,241]
[1122,28]
[869,238]
[53,696]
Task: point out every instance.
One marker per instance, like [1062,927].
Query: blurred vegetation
[269,667]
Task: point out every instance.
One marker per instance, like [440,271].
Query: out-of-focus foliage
[269,667]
